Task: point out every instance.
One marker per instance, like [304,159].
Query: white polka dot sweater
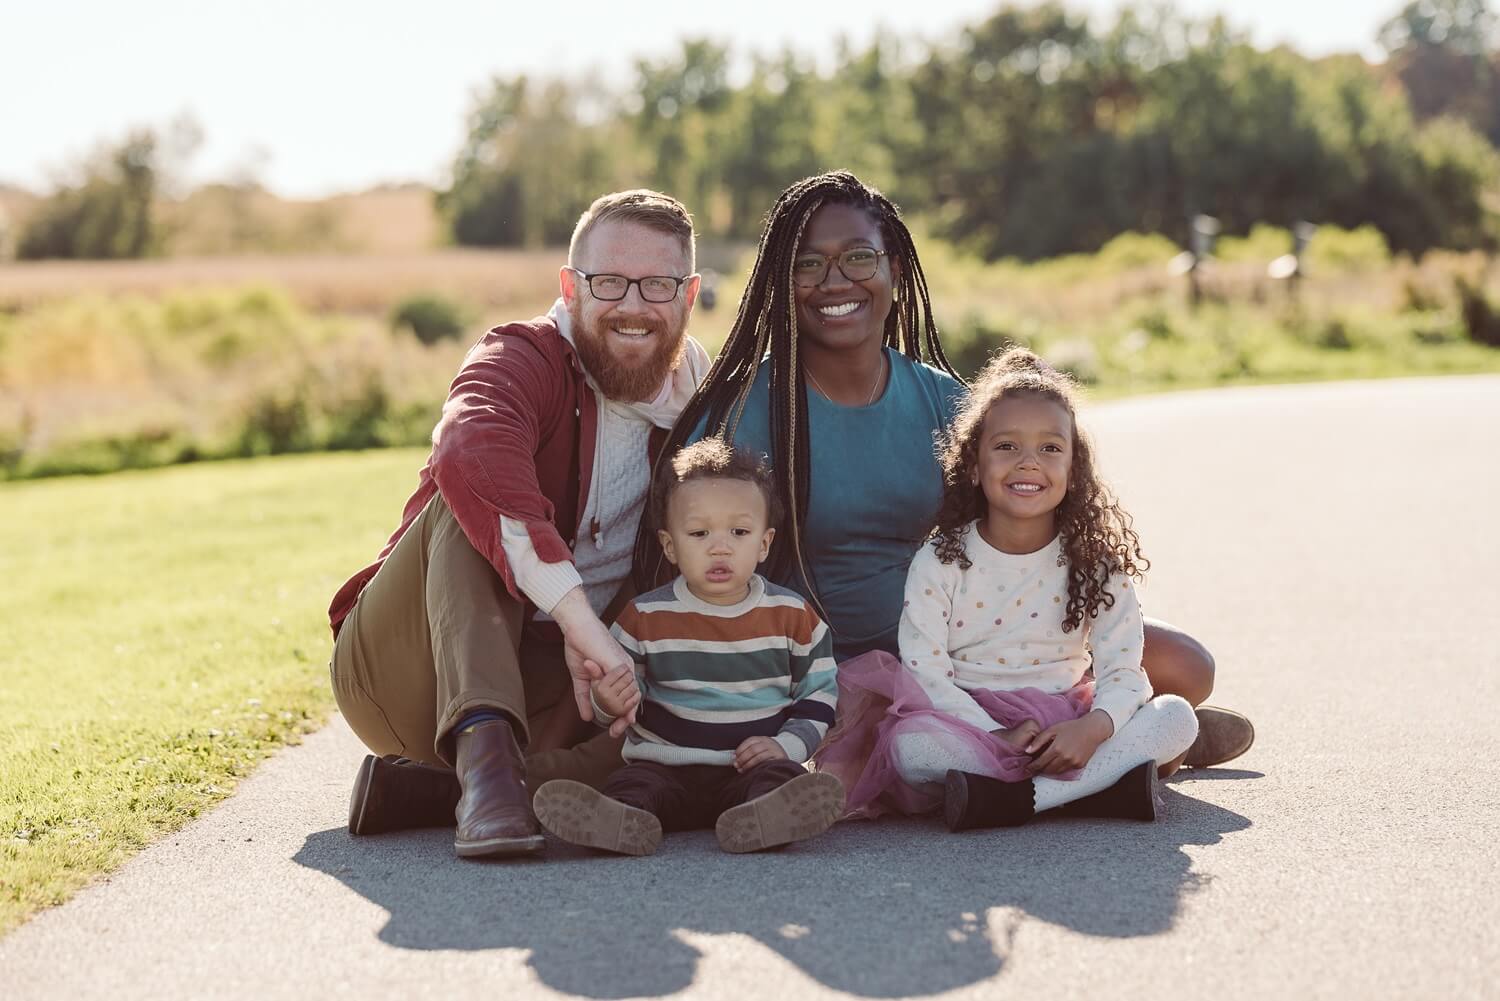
[998,625]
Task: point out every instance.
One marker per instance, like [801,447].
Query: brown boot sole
[359,801]
[525,844]
[383,799]
[803,808]
[581,815]
[1223,735]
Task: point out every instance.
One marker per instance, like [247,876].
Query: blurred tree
[768,139]
[1017,92]
[1041,137]
[1442,51]
[677,102]
[1033,134]
[106,214]
[537,154]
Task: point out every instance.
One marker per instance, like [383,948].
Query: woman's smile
[841,311]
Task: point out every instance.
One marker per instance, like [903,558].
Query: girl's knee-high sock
[925,758]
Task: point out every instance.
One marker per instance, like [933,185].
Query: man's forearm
[544,583]
[572,612]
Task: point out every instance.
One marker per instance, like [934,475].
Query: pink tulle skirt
[880,700]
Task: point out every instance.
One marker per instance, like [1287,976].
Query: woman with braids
[834,371]
[990,712]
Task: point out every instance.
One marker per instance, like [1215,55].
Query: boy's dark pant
[689,797]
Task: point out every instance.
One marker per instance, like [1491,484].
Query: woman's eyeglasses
[857,264]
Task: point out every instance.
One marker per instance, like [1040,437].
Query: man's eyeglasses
[857,264]
[613,288]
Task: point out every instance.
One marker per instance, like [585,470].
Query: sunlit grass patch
[163,632]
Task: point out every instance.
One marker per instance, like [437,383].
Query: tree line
[1033,133]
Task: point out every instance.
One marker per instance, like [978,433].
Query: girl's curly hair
[1097,539]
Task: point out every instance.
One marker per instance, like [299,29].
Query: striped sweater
[713,675]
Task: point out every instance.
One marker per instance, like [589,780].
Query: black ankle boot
[1133,797]
[398,794]
[972,801]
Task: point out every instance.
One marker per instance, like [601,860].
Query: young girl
[1024,586]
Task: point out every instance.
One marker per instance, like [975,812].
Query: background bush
[430,318]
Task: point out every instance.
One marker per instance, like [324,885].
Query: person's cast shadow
[882,909]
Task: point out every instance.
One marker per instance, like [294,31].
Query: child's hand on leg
[1019,735]
[756,751]
[1066,746]
[617,693]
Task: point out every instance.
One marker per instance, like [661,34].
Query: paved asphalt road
[1336,546]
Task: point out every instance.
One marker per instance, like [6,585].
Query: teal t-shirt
[875,490]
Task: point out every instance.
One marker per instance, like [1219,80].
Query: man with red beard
[455,652]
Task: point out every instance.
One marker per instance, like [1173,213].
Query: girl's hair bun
[1019,359]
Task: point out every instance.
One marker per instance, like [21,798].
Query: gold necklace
[880,374]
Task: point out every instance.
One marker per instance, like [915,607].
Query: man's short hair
[643,207]
[714,459]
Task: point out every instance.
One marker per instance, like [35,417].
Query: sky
[314,97]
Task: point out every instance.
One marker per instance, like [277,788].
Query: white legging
[1159,731]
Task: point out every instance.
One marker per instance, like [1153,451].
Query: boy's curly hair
[1097,539]
[713,459]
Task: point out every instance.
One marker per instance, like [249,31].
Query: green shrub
[1481,316]
[1136,250]
[279,420]
[431,318]
[1418,298]
[1335,249]
[1263,245]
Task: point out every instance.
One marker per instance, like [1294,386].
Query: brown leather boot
[398,794]
[494,815]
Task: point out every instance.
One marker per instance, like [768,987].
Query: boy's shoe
[398,794]
[582,815]
[1223,735]
[803,808]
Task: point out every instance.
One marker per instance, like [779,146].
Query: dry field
[107,365]
[324,283]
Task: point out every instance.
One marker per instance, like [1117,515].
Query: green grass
[163,632]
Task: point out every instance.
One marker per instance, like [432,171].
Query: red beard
[617,380]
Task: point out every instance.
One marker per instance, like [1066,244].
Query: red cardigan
[517,438]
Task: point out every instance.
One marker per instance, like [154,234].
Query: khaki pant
[435,635]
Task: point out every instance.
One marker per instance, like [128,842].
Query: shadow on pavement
[879,909]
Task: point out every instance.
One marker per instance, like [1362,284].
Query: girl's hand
[756,751]
[1021,734]
[617,694]
[1066,746]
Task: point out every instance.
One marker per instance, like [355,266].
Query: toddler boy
[733,678]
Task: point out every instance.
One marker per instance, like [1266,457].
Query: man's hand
[590,652]
[617,692]
[1066,746]
[756,751]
